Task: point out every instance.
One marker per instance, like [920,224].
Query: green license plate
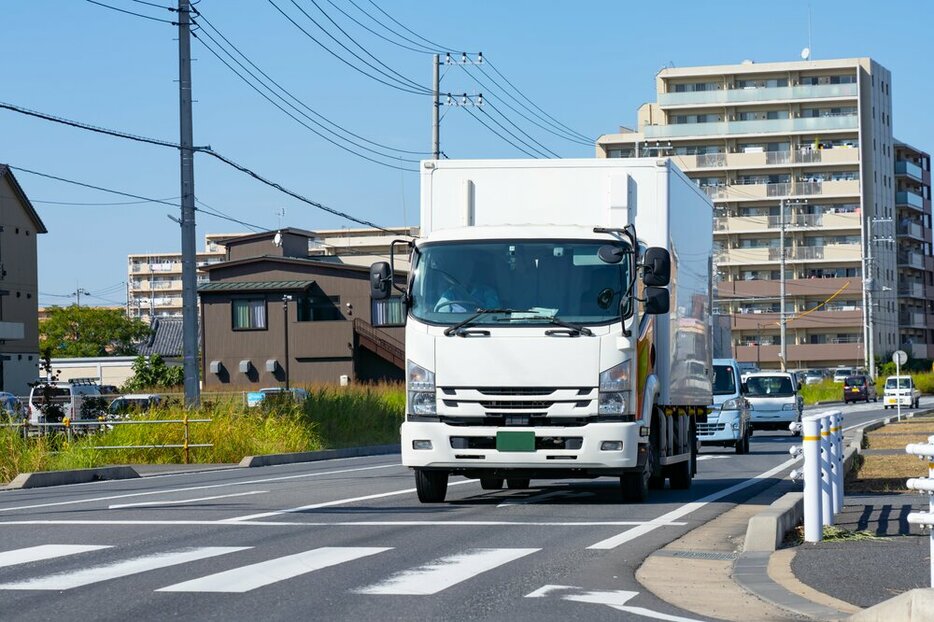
[515,441]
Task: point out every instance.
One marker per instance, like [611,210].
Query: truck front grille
[476,402]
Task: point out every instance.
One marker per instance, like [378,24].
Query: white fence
[925,451]
[822,472]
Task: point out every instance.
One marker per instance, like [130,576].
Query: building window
[319,308]
[249,314]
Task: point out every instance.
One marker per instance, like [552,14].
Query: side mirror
[743,389]
[656,301]
[611,254]
[656,267]
[380,280]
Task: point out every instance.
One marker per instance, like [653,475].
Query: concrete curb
[324,454]
[766,530]
[912,606]
[41,479]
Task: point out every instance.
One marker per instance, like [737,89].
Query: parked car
[814,376]
[255,398]
[859,388]
[774,400]
[840,374]
[901,390]
[134,402]
[10,406]
[50,402]
[728,422]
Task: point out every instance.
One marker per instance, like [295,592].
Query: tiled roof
[166,339]
[254,286]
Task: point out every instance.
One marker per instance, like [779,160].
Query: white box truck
[557,320]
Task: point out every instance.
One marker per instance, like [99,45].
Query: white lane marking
[616,599]
[426,523]
[711,457]
[44,551]
[442,573]
[327,504]
[96,574]
[567,494]
[250,577]
[205,487]
[180,501]
[687,508]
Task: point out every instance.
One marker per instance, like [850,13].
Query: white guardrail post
[813,528]
[836,436]
[924,484]
[826,471]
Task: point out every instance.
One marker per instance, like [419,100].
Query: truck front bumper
[580,449]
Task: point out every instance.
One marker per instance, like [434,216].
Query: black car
[859,389]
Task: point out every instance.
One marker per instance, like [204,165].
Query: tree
[75,331]
[153,372]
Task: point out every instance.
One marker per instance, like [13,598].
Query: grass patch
[826,391]
[832,533]
[332,417]
[888,473]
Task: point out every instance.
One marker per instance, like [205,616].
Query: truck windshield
[769,386]
[724,381]
[535,280]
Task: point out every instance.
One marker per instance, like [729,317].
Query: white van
[901,390]
[66,396]
[728,423]
[774,399]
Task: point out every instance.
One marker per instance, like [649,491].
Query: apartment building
[155,279]
[914,258]
[805,147]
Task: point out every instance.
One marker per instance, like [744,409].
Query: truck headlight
[790,407]
[614,390]
[421,388]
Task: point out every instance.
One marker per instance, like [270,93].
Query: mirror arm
[392,265]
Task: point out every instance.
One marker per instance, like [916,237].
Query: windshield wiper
[458,328]
[576,328]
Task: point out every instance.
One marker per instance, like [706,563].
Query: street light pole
[781,315]
[285,323]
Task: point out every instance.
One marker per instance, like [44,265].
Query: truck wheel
[491,483]
[635,486]
[518,484]
[431,486]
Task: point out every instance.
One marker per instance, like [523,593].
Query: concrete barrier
[766,530]
[912,606]
[41,479]
[324,454]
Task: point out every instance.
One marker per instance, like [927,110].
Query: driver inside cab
[468,288]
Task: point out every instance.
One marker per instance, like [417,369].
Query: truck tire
[491,483]
[635,486]
[518,484]
[431,486]
[679,475]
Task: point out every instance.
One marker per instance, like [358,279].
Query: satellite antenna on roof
[806,54]
[281,214]
[277,239]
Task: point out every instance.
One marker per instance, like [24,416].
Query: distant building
[19,289]
[270,297]
[915,261]
[815,136]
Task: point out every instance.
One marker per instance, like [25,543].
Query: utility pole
[868,284]
[781,295]
[77,294]
[435,106]
[285,322]
[189,274]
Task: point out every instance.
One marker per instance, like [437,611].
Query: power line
[113,8]
[202,18]
[153,4]
[408,30]
[381,36]
[98,203]
[206,150]
[483,123]
[429,50]
[540,152]
[398,86]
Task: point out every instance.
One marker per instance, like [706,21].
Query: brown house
[270,310]
[19,285]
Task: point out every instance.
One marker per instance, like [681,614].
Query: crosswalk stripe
[96,574]
[441,574]
[250,577]
[44,551]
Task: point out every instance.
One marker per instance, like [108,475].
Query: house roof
[6,172]
[250,237]
[255,286]
[292,260]
[166,340]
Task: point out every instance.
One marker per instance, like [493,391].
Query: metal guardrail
[822,448]
[70,429]
[925,451]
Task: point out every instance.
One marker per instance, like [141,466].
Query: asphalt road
[348,540]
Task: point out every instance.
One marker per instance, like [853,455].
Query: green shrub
[356,416]
[825,391]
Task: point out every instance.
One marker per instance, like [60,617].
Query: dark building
[270,298]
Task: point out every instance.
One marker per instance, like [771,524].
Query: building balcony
[748,224]
[815,319]
[909,169]
[766,159]
[803,355]
[917,350]
[915,231]
[740,128]
[909,259]
[912,319]
[764,255]
[12,331]
[773,191]
[909,199]
[822,288]
[912,290]
[762,95]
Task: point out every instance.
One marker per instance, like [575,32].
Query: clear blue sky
[588,64]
